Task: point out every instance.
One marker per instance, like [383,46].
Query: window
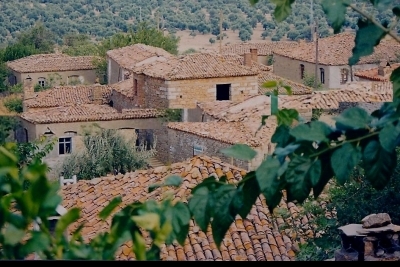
[344,76]
[197,150]
[223,92]
[301,71]
[64,145]
[42,81]
[135,89]
[26,135]
[322,74]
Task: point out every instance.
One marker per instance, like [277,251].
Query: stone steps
[154,162]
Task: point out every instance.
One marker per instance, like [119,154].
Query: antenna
[220,31]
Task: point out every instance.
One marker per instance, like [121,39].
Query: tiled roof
[337,49]
[263,49]
[130,55]
[195,66]
[66,95]
[85,112]
[240,61]
[227,132]
[372,74]
[297,88]
[257,237]
[249,112]
[124,87]
[50,63]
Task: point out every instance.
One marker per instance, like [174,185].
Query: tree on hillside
[39,37]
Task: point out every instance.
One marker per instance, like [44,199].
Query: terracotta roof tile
[372,74]
[129,56]
[85,112]
[195,66]
[337,49]
[227,132]
[297,88]
[50,63]
[245,240]
[263,49]
[124,87]
[67,95]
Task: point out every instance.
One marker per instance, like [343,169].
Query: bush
[105,151]
[13,104]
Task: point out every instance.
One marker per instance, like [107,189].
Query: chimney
[97,96]
[29,91]
[254,55]
[247,59]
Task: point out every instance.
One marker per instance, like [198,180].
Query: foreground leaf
[269,182]
[283,9]
[378,164]
[106,211]
[180,222]
[336,12]
[353,119]
[239,151]
[343,161]
[395,79]
[250,192]
[388,136]
[368,36]
[71,216]
[317,131]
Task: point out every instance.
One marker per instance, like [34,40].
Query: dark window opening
[135,85]
[322,74]
[137,137]
[111,103]
[52,226]
[26,135]
[301,71]
[344,76]
[64,145]
[223,92]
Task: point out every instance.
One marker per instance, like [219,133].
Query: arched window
[344,76]
[42,81]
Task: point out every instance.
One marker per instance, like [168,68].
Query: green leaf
[282,136]
[269,182]
[71,216]
[378,164]
[148,221]
[39,241]
[367,37]
[396,11]
[253,2]
[388,136]
[139,246]
[198,205]
[353,118]
[173,180]
[239,151]
[343,161]
[106,211]
[287,116]
[326,174]
[274,104]
[335,12]
[381,4]
[300,175]
[395,79]
[284,151]
[12,235]
[153,187]
[288,89]
[317,131]
[283,9]
[180,222]
[223,218]
[270,84]
[250,191]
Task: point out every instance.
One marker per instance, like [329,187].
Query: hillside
[103,18]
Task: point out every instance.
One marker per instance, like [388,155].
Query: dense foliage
[101,19]
[305,159]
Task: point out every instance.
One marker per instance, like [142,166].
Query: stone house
[264,50]
[379,74]
[258,237]
[64,112]
[334,52]
[179,82]
[212,126]
[52,70]
[120,61]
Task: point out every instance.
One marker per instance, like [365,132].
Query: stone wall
[86,77]
[155,92]
[185,93]
[119,101]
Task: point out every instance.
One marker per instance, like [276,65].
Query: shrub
[13,104]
